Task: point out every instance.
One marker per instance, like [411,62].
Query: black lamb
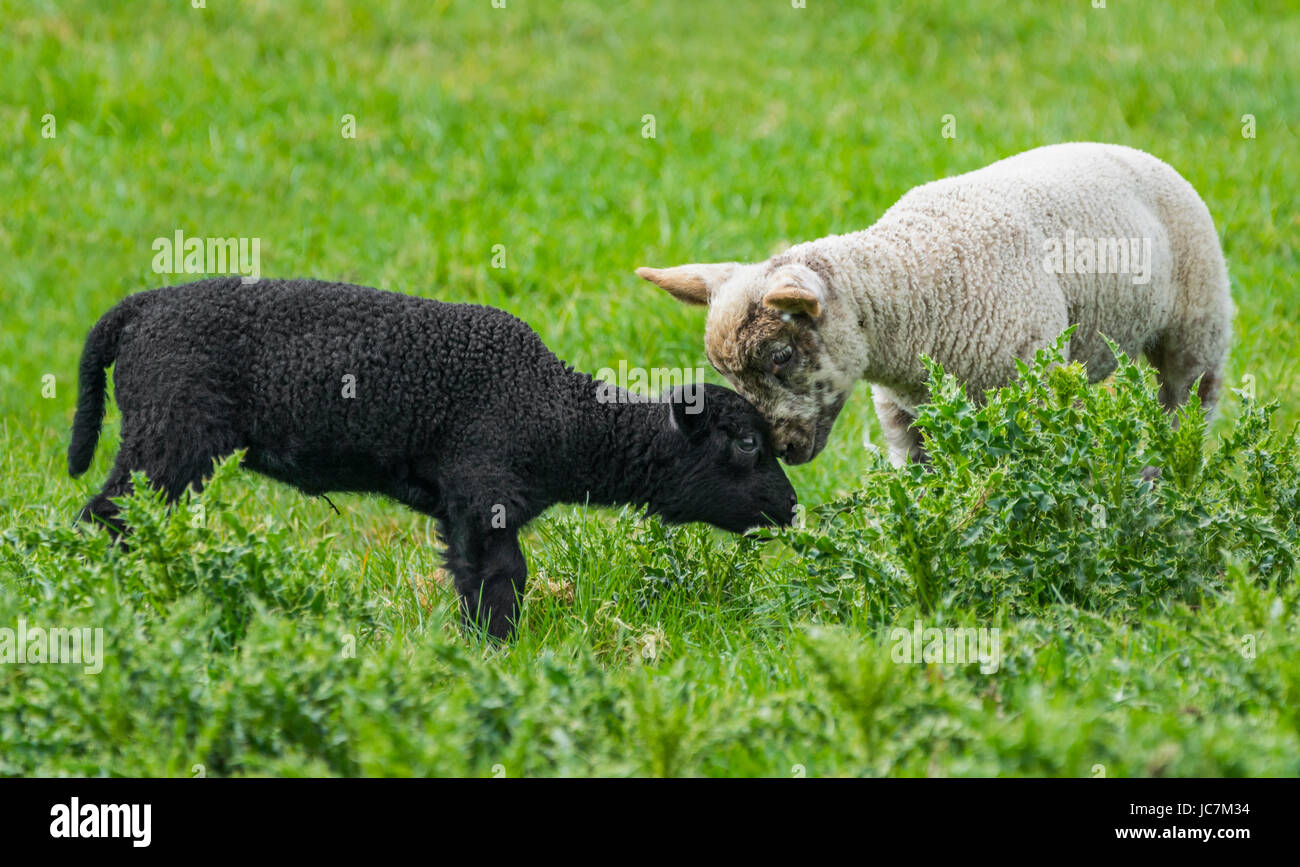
[457,410]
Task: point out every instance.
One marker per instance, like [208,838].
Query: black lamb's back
[337,371]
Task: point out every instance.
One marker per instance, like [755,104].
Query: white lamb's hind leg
[1195,344]
[903,439]
[1180,359]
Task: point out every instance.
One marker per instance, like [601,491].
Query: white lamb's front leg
[896,419]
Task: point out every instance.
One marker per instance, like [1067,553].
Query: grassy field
[281,638]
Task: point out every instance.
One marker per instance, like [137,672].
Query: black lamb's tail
[99,353]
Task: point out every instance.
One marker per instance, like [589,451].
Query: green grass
[645,650]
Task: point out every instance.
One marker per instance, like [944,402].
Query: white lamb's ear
[690,284]
[795,289]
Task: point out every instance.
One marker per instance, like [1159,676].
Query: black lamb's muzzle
[779,513]
[786,517]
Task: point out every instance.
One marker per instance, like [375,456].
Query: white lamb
[975,271]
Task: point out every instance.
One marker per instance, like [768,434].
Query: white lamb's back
[1082,183]
[1053,165]
[994,227]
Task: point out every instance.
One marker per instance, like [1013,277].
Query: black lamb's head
[722,468]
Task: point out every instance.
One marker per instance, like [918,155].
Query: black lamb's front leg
[489,571]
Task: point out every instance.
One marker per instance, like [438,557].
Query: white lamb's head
[776,332]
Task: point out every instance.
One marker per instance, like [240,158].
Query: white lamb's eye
[782,355]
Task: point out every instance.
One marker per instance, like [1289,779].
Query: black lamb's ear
[687,405]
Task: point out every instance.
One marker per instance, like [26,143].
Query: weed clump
[1051,490]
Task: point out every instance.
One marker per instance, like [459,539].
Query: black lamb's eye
[747,443]
[781,356]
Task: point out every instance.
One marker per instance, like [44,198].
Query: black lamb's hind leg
[170,469]
[490,573]
[101,510]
